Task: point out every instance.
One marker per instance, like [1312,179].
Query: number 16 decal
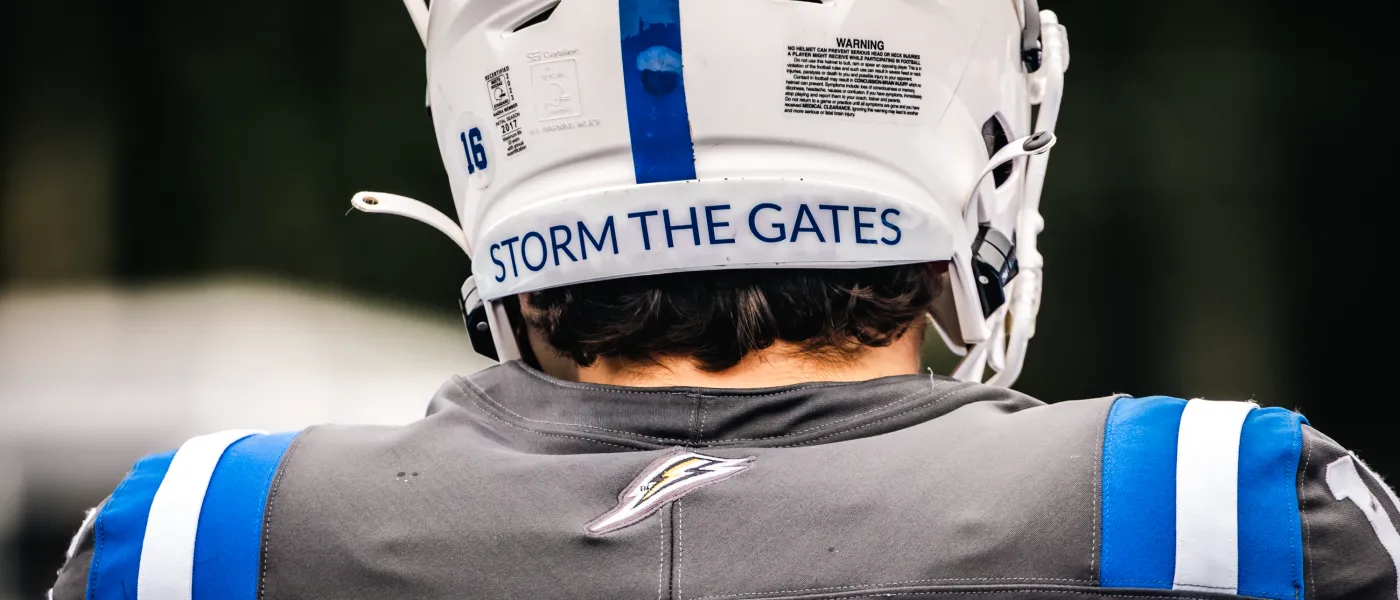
[475,151]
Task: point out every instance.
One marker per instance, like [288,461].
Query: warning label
[505,110]
[852,77]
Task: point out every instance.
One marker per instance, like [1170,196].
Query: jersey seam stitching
[1307,525]
[286,460]
[1096,482]
[680,545]
[493,415]
[901,400]
[694,421]
[1067,592]
[1202,585]
[1292,558]
[101,526]
[878,585]
[950,394]
[661,567]
[704,413]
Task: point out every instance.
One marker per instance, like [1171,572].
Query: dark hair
[718,317]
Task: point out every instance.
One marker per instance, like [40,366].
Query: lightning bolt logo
[668,478]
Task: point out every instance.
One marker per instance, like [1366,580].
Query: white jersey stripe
[167,552]
[1207,484]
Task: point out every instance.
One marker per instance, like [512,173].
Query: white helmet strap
[1013,325]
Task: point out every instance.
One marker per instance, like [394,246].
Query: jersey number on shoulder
[1346,483]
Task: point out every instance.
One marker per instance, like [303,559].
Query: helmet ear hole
[538,18]
[994,135]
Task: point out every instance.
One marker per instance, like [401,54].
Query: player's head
[853,142]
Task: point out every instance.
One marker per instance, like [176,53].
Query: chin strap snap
[403,206]
[475,318]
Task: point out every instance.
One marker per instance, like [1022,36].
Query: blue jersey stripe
[654,82]
[1271,536]
[120,530]
[227,549]
[1139,493]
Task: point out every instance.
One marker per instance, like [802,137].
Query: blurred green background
[1214,206]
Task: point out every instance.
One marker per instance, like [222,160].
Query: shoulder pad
[1201,495]
[144,536]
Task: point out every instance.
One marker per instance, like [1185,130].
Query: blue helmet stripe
[654,80]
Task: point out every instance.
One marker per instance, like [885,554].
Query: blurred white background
[92,378]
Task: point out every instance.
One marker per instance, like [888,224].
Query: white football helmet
[596,139]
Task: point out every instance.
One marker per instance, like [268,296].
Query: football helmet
[595,139]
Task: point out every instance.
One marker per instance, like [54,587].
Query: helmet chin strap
[1013,324]
[974,362]
[987,291]
[403,206]
[418,11]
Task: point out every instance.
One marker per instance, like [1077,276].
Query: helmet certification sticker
[852,77]
[556,89]
[505,110]
[557,101]
[670,477]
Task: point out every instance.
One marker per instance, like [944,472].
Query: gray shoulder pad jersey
[516,485]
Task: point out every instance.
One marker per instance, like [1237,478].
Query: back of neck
[780,365]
